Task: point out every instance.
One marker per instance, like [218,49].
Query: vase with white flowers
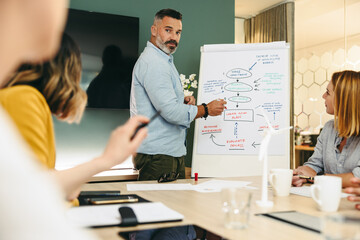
[188,84]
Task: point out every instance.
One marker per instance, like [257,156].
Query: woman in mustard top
[37,91]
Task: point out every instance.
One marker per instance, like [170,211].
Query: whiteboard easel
[250,77]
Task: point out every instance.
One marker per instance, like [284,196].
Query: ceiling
[316,21]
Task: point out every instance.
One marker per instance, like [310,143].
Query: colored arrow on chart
[252,66]
[212,138]
[255,144]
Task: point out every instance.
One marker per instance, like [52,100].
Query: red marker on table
[196,177]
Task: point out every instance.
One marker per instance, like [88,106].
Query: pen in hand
[306,177]
[144,124]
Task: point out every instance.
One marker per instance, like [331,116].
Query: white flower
[192,76]
[182,77]
[185,83]
[194,84]
[188,93]
[188,83]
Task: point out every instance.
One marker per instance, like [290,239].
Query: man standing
[156,86]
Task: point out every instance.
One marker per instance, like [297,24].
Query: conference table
[205,211]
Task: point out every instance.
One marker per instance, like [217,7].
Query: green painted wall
[204,22]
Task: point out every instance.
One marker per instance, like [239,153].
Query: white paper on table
[108,215]
[208,186]
[306,192]
[217,185]
[158,186]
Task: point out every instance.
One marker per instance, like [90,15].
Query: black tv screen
[109,48]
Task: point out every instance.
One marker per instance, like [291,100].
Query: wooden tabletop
[116,175]
[204,210]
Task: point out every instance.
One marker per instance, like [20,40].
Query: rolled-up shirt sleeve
[356,171]
[316,161]
[162,94]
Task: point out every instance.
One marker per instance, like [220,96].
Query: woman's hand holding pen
[298,180]
[354,190]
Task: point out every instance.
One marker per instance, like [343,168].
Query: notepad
[108,215]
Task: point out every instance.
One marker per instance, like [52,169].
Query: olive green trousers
[151,167]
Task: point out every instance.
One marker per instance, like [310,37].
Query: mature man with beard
[156,86]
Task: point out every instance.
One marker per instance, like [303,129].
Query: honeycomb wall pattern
[312,75]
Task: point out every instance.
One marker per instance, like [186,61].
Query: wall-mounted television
[109,49]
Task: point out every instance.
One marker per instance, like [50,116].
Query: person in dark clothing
[111,87]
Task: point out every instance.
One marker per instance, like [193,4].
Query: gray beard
[163,46]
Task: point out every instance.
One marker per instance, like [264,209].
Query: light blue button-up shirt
[156,86]
[328,159]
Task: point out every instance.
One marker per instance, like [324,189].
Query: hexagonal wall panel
[354,54]
[303,121]
[308,106]
[326,60]
[314,92]
[349,66]
[296,122]
[314,62]
[297,80]
[320,76]
[297,107]
[302,65]
[323,87]
[339,57]
[311,79]
[330,71]
[302,93]
[308,78]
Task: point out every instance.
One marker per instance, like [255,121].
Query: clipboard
[298,219]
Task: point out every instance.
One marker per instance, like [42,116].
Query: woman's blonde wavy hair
[346,102]
[58,80]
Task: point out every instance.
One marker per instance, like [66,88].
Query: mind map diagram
[252,87]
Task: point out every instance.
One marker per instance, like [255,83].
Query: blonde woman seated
[337,151]
[37,91]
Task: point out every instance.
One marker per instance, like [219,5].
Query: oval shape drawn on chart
[239,99]
[238,87]
[238,73]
